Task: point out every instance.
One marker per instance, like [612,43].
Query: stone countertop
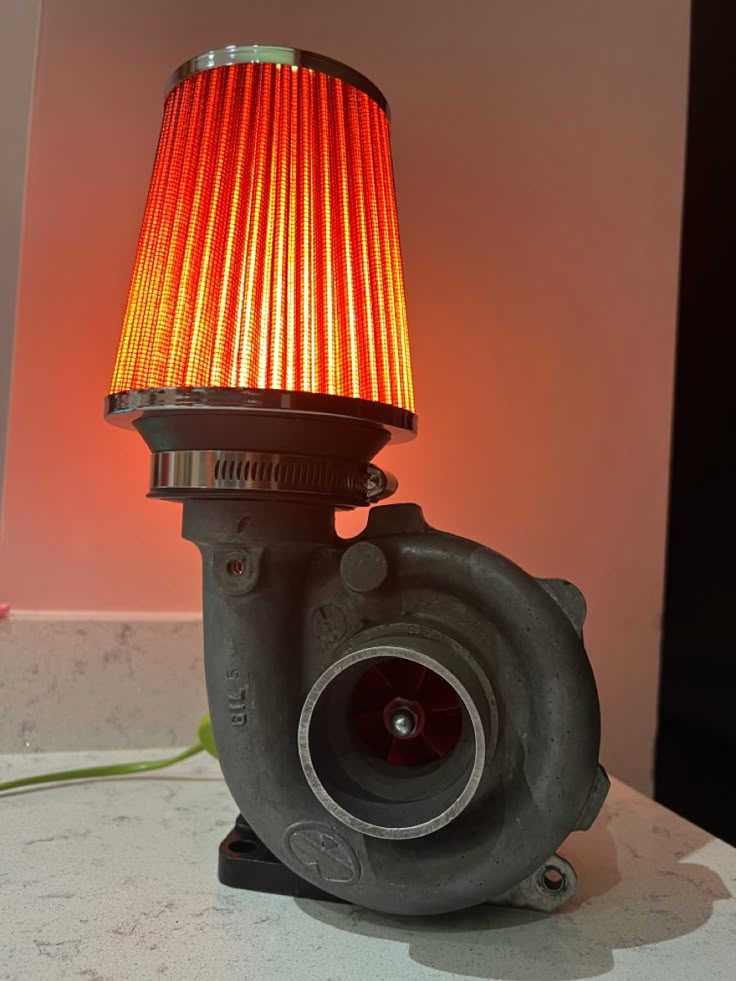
[116,879]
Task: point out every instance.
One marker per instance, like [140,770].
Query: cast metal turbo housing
[296,620]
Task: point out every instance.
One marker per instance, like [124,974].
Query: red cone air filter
[269,255]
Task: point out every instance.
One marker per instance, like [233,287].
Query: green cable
[114,770]
[206,742]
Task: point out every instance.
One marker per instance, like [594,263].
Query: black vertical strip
[695,771]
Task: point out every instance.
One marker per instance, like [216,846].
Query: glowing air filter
[269,256]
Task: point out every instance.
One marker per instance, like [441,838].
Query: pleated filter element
[269,256]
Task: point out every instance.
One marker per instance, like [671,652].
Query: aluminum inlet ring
[472,776]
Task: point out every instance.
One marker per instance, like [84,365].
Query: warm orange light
[269,255]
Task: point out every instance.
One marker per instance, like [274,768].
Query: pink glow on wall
[539,197]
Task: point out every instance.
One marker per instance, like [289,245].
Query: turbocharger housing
[407,719]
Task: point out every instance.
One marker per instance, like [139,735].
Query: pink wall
[538,150]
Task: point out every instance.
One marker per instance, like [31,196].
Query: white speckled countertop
[116,879]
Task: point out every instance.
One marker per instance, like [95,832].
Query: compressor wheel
[405,713]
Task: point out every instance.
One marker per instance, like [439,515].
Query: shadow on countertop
[627,897]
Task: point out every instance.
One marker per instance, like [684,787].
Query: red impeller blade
[397,685]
